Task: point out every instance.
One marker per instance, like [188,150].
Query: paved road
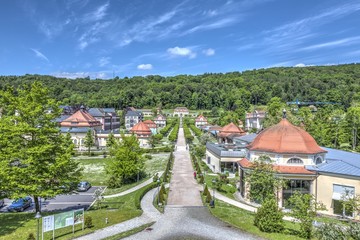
[62,202]
[184,190]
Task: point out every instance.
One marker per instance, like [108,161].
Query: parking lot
[61,202]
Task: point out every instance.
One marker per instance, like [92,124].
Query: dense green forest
[230,95]
[229,91]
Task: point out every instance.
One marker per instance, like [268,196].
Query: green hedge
[168,168]
[140,194]
[174,133]
[168,148]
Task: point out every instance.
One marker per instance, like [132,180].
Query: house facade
[181,112]
[160,121]
[107,117]
[132,118]
[200,121]
[254,120]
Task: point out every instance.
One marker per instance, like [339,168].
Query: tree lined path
[184,190]
[185,216]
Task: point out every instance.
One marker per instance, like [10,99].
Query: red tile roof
[80,118]
[245,163]
[141,129]
[231,129]
[160,117]
[150,123]
[285,138]
[201,118]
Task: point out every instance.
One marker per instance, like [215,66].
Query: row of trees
[230,91]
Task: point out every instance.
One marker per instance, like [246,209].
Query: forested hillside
[229,90]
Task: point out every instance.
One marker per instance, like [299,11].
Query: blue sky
[79,38]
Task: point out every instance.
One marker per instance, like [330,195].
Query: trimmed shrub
[330,231]
[201,181]
[206,190]
[208,197]
[141,194]
[88,222]
[269,217]
[354,231]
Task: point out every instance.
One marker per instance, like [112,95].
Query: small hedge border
[139,195]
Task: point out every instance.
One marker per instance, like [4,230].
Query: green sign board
[64,219]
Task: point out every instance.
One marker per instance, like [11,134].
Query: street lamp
[38,216]
[158,184]
[213,182]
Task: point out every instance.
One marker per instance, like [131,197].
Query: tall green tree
[262,180]
[89,140]
[127,162]
[35,158]
[111,140]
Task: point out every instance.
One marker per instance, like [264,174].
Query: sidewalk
[150,214]
[242,205]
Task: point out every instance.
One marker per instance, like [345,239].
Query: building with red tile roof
[228,132]
[181,111]
[160,121]
[200,121]
[142,132]
[151,125]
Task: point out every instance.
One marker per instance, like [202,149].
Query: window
[293,185]
[295,161]
[318,160]
[341,192]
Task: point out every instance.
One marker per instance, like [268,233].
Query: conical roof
[285,138]
[231,128]
[150,123]
[141,129]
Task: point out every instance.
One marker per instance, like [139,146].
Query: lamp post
[214,182]
[38,216]
[158,184]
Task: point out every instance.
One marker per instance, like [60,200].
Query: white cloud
[300,65]
[209,52]
[104,61]
[96,15]
[340,42]
[40,55]
[145,66]
[93,34]
[213,25]
[183,52]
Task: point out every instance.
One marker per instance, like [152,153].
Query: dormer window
[318,160]
[295,161]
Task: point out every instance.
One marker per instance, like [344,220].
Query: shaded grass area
[14,226]
[244,220]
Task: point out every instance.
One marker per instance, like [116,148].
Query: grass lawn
[228,190]
[14,226]
[244,220]
[94,170]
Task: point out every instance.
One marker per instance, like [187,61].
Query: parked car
[20,204]
[83,186]
[2,203]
